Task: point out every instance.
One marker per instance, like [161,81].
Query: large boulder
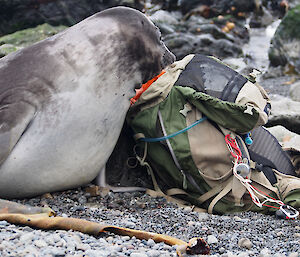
[285,137]
[285,112]
[285,45]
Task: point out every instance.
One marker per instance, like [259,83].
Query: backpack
[188,123]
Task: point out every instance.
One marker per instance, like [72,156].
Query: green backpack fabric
[196,166]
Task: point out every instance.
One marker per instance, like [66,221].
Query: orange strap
[144,87]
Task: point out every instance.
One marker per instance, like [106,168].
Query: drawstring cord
[254,192]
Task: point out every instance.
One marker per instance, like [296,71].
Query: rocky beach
[246,35]
[240,234]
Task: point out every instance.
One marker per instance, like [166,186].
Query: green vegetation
[290,25]
[12,42]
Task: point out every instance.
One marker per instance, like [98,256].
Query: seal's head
[142,40]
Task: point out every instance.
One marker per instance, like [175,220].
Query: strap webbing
[224,192]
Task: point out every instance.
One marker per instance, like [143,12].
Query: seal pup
[63,100]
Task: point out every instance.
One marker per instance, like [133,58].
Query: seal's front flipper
[15,118]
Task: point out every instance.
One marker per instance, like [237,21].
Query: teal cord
[157,139]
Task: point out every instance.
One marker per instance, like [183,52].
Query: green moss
[290,24]
[27,37]
[7,48]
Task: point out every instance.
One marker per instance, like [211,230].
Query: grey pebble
[153,253]
[165,255]
[138,255]
[222,250]
[28,229]
[237,218]
[82,200]
[245,243]
[203,216]
[102,241]
[294,254]
[56,238]
[97,253]
[61,243]
[150,243]
[167,247]
[56,251]
[82,247]
[27,237]
[125,238]
[50,240]
[40,243]
[279,255]
[30,255]
[116,248]
[119,242]
[243,254]
[265,252]
[3,223]
[109,239]
[211,239]
[129,224]
[156,247]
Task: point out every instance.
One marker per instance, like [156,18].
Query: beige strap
[179,202]
[176,191]
[238,190]
[150,171]
[215,190]
[261,179]
[159,193]
[224,192]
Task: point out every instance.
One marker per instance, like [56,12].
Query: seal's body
[63,100]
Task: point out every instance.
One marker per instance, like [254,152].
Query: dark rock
[182,44]
[219,6]
[20,14]
[285,44]
[165,29]
[169,5]
[261,18]
[234,6]
[188,5]
[290,122]
[212,29]
[278,7]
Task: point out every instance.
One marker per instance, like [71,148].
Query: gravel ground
[243,234]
